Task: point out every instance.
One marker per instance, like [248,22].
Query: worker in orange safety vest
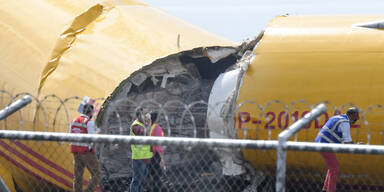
[157,163]
[83,153]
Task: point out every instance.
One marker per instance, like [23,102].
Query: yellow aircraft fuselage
[302,61]
[84,48]
[60,49]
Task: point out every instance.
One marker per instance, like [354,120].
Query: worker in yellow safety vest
[141,154]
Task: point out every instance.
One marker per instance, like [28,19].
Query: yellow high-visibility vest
[140,151]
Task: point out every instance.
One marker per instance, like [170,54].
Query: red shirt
[157,131]
[138,130]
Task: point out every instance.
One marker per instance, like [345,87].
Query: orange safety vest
[79,125]
[151,133]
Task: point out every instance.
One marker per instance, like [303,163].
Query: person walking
[335,130]
[157,163]
[141,154]
[83,153]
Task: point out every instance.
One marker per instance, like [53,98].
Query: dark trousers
[139,175]
[155,174]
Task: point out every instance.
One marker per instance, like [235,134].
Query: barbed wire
[54,114]
[178,116]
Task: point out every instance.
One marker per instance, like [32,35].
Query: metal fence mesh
[189,169]
[306,171]
[44,166]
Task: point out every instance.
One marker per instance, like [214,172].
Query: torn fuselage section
[169,85]
[220,114]
[179,87]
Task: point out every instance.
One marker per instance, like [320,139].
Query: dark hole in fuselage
[207,69]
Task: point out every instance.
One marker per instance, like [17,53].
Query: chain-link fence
[48,165]
[198,169]
[195,166]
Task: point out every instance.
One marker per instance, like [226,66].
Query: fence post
[4,113]
[3,186]
[282,143]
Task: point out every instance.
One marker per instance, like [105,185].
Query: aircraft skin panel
[119,42]
[38,165]
[35,166]
[28,32]
[6,174]
[51,164]
[303,34]
[129,35]
[313,79]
